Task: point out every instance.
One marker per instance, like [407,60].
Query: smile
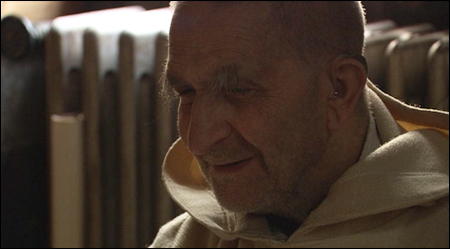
[232,167]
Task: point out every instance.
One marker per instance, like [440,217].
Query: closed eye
[185,92]
[240,92]
[186,96]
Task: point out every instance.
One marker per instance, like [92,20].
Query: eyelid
[182,89]
[185,91]
[186,96]
[239,90]
[178,86]
[244,87]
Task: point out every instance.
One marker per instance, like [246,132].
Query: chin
[241,202]
[238,207]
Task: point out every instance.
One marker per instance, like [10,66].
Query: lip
[232,167]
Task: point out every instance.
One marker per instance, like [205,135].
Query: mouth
[232,167]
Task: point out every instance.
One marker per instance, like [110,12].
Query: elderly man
[284,142]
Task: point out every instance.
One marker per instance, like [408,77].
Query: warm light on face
[252,121]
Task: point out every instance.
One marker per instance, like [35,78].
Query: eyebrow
[224,77]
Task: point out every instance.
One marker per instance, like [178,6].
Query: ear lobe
[348,78]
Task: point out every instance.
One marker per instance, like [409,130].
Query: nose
[208,125]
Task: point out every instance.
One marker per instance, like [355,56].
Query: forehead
[218,33]
[225,17]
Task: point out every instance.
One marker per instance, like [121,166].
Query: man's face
[248,113]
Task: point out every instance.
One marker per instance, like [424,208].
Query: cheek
[265,119]
[256,127]
[275,131]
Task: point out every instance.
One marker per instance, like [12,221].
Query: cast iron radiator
[82,116]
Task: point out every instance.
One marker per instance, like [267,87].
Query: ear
[348,77]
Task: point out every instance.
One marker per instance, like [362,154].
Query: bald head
[314,31]
[322,29]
